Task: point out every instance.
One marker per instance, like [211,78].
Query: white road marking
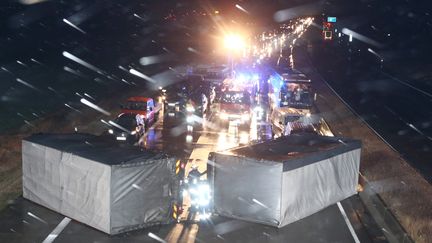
[58,229]
[348,223]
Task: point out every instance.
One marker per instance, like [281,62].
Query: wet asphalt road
[24,221]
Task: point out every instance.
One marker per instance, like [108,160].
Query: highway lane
[27,222]
[325,226]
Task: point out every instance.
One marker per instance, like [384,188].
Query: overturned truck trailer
[95,181]
[281,181]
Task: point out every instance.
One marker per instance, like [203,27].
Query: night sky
[110,34]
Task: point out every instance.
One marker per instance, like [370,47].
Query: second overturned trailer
[284,180]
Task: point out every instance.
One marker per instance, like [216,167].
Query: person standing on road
[194,173]
[298,92]
[140,124]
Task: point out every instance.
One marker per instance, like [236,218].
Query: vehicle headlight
[192,191]
[133,132]
[204,195]
[190,108]
[189,128]
[245,117]
[223,116]
[204,189]
[204,216]
[110,131]
[258,109]
[189,119]
[203,202]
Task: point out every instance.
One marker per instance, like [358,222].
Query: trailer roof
[296,150]
[102,149]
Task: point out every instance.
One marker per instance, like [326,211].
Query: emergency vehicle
[143,106]
[291,89]
[235,105]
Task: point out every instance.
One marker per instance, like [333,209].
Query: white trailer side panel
[71,185]
[247,189]
[311,188]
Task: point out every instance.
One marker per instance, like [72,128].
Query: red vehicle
[236,106]
[141,105]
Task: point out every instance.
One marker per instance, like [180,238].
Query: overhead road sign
[331,19]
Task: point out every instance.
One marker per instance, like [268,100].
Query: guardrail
[382,215]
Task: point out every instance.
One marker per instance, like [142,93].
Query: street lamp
[233,43]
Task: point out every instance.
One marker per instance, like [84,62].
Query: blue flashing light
[241,78]
[276,81]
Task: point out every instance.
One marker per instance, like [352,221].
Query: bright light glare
[189,138]
[245,117]
[224,116]
[189,128]
[234,42]
[204,216]
[190,108]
